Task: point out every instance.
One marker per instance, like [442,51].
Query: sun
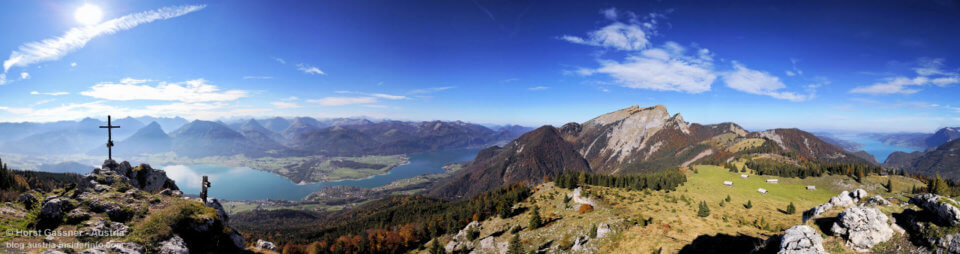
[88,14]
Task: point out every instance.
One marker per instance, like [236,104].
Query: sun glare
[88,14]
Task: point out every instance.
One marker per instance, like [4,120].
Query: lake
[242,183]
[874,147]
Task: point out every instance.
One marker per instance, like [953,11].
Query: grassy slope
[675,222]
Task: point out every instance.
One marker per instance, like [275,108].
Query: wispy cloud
[761,83]
[929,72]
[197,90]
[49,93]
[73,64]
[257,77]
[24,75]
[285,104]
[280,60]
[75,38]
[310,69]
[538,88]
[376,95]
[430,90]
[666,68]
[343,101]
[630,36]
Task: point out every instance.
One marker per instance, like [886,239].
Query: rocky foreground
[119,208]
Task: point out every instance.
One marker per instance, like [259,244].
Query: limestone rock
[460,241]
[844,199]
[116,247]
[222,213]
[491,245]
[801,239]
[945,211]
[578,244]
[265,245]
[142,177]
[175,245]
[578,198]
[102,227]
[862,227]
[52,251]
[878,200]
[120,213]
[28,200]
[603,230]
[51,213]
[76,216]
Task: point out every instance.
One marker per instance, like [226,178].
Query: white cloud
[284,104]
[390,97]
[310,69]
[24,75]
[3,79]
[617,35]
[760,83]
[76,38]
[538,88]
[430,90]
[661,69]
[610,14]
[73,64]
[292,98]
[257,77]
[49,93]
[280,60]
[929,71]
[197,90]
[342,101]
[791,73]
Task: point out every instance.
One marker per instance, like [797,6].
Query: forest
[390,225]
[667,180]
[769,167]
[14,182]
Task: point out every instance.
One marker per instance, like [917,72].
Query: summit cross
[109,128]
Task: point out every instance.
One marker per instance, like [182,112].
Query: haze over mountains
[274,137]
[631,140]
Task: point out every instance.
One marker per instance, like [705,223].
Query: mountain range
[920,140]
[942,160]
[274,137]
[631,140]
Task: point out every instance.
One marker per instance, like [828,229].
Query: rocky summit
[118,208]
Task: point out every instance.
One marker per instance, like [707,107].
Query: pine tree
[435,247]
[938,186]
[593,231]
[535,220]
[515,246]
[889,185]
[704,211]
[727,199]
[748,205]
[791,209]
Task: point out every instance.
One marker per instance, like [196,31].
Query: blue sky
[844,66]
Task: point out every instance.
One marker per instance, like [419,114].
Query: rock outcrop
[460,240]
[943,208]
[491,245]
[801,239]
[265,245]
[603,230]
[844,199]
[862,227]
[142,177]
[878,201]
[175,245]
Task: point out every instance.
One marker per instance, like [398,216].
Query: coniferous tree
[748,205]
[704,211]
[791,209]
[515,246]
[889,185]
[593,231]
[938,186]
[727,199]
[435,247]
[535,220]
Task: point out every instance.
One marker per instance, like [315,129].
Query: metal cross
[109,128]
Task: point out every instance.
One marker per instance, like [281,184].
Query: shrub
[515,229]
[791,209]
[585,208]
[593,231]
[535,220]
[473,233]
[748,205]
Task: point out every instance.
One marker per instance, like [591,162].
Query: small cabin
[728,183]
[762,191]
[744,176]
[773,181]
[811,187]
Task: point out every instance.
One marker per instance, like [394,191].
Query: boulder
[801,239]
[603,230]
[142,177]
[265,245]
[28,200]
[942,207]
[580,199]
[236,239]
[862,227]
[102,227]
[878,201]
[175,245]
[491,245]
[51,214]
[844,199]
[76,216]
[579,243]
[858,194]
[116,247]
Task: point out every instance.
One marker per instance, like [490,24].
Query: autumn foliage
[585,208]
